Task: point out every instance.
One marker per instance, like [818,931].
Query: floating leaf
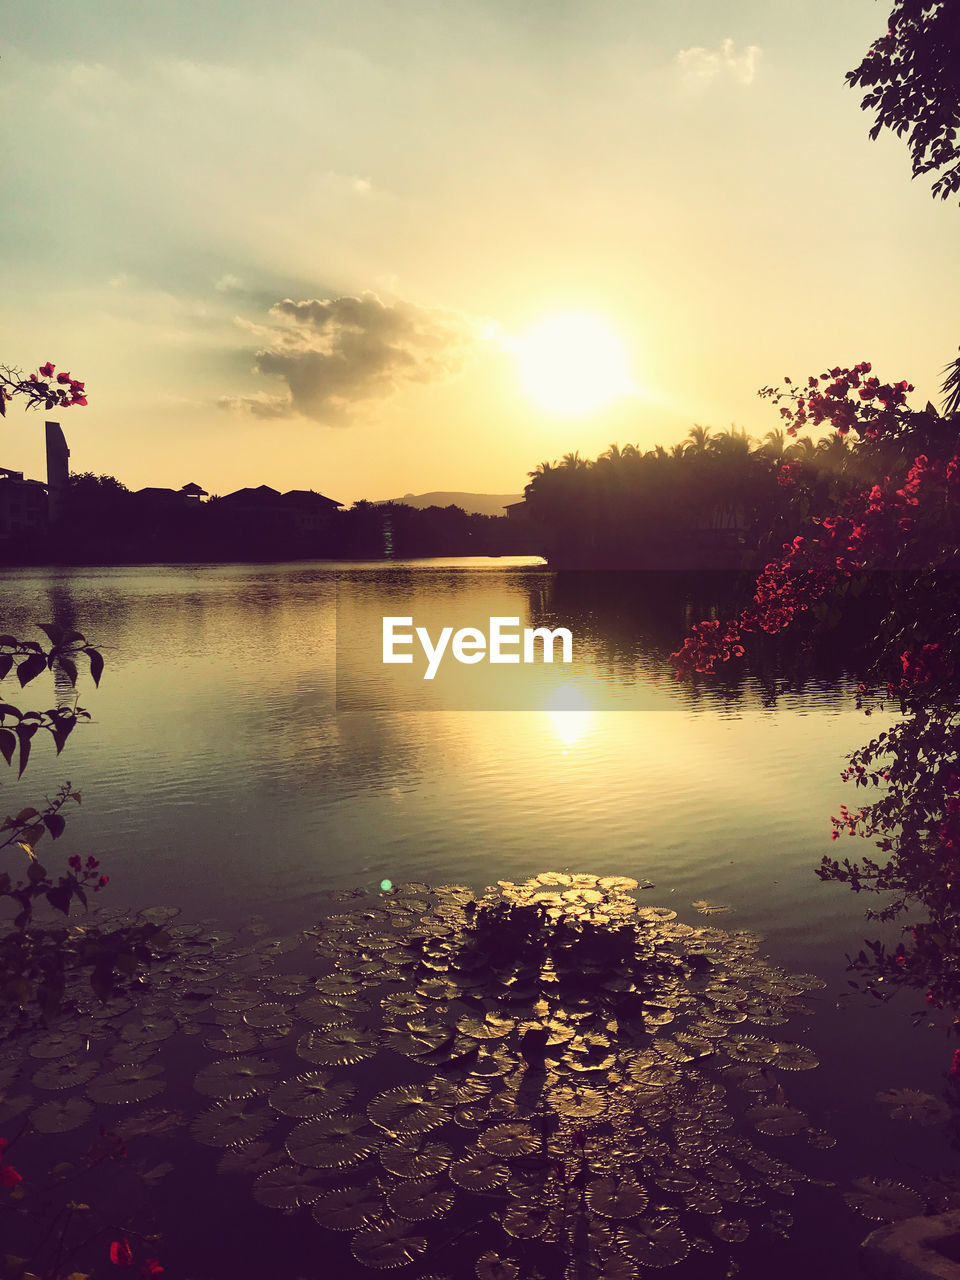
[408,1109]
[883,1200]
[508,1140]
[134,1083]
[350,1208]
[312,1094]
[388,1246]
[236,1077]
[322,1145]
[479,1171]
[411,1160]
[654,1245]
[337,1047]
[228,1124]
[491,1266]
[419,1199]
[909,1104]
[66,1073]
[60,1117]
[288,1187]
[616,1197]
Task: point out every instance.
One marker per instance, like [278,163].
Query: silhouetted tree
[912,78]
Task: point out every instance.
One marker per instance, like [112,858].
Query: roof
[194,488]
[308,498]
[262,495]
[153,492]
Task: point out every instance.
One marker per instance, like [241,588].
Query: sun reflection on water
[570,714]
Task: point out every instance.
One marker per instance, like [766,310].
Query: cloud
[228,283]
[334,352]
[700,67]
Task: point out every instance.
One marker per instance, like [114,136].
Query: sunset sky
[375,247]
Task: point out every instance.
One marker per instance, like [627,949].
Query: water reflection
[220,774]
[570,714]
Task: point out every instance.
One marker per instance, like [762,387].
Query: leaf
[52,631]
[59,898]
[69,668]
[31,668]
[8,743]
[24,734]
[54,824]
[6,662]
[96,664]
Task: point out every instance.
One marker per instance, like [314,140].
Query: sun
[572,363]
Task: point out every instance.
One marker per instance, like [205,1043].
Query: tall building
[58,470]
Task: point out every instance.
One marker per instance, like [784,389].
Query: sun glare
[573,363]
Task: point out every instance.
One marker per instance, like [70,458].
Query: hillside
[482,504]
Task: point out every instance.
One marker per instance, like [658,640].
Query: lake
[248,751]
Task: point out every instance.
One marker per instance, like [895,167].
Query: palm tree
[732,441]
[951,388]
[698,440]
[775,444]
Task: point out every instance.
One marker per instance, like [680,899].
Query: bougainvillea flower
[121,1255]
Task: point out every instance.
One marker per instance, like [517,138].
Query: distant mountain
[481,504]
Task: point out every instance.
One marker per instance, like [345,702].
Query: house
[23,505]
[310,511]
[190,495]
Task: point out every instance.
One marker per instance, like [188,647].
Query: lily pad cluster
[548,1079]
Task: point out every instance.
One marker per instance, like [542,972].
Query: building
[190,495]
[23,507]
[299,511]
[58,470]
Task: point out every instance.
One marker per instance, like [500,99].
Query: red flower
[121,1255]
[47,369]
[74,862]
[150,1268]
[63,377]
[4,1143]
[954,1066]
[92,862]
[9,1176]
[102,881]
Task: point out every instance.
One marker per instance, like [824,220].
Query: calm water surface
[228,770]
